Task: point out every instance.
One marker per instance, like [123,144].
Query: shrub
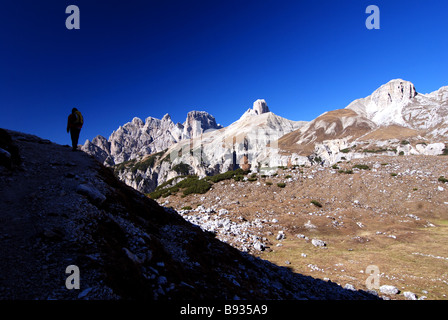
[191,184]
[288,176]
[268,183]
[445,152]
[443,179]
[182,168]
[281,185]
[316,203]
[227,175]
[404,142]
[187,208]
[196,186]
[347,150]
[401,153]
[393,174]
[144,164]
[335,166]
[346,171]
[361,167]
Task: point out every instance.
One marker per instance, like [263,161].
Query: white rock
[349,286]
[280,235]
[318,243]
[410,295]
[259,246]
[388,289]
[91,192]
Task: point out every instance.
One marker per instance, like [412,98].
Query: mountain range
[395,119]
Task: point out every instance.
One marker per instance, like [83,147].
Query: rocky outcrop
[395,120]
[260,106]
[197,123]
[137,139]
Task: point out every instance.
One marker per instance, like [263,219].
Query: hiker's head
[74,110]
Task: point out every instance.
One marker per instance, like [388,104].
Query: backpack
[79,120]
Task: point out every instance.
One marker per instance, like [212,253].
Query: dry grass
[399,224]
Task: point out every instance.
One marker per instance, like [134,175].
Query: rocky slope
[62,208]
[390,212]
[395,118]
[249,141]
[136,139]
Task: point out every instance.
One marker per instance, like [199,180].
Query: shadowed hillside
[61,208]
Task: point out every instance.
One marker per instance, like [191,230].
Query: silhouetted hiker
[74,125]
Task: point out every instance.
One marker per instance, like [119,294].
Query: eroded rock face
[260,107]
[197,123]
[137,138]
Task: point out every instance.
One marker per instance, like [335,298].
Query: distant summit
[137,138]
[260,106]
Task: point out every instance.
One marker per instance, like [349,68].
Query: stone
[309,225]
[349,286]
[258,246]
[280,235]
[388,289]
[91,192]
[260,107]
[410,295]
[318,243]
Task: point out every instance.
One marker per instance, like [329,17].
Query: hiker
[74,125]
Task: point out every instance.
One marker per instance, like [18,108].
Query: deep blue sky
[148,58]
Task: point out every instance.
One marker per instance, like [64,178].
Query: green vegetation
[182,168]
[189,185]
[335,166]
[346,150]
[361,167]
[192,184]
[228,175]
[187,208]
[316,203]
[317,160]
[268,183]
[394,174]
[134,165]
[379,150]
[404,142]
[443,179]
[238,177]
[401,153]
[346,171]
[445,152]
[288,176]
[281,185]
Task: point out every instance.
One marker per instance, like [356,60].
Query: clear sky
[148,58]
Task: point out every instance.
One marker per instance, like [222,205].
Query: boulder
[91,192]
[388,289]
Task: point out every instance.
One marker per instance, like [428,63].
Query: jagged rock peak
[396,90]
[260,106]
[197,122]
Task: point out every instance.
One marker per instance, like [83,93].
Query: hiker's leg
[74,133]
[77,131]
